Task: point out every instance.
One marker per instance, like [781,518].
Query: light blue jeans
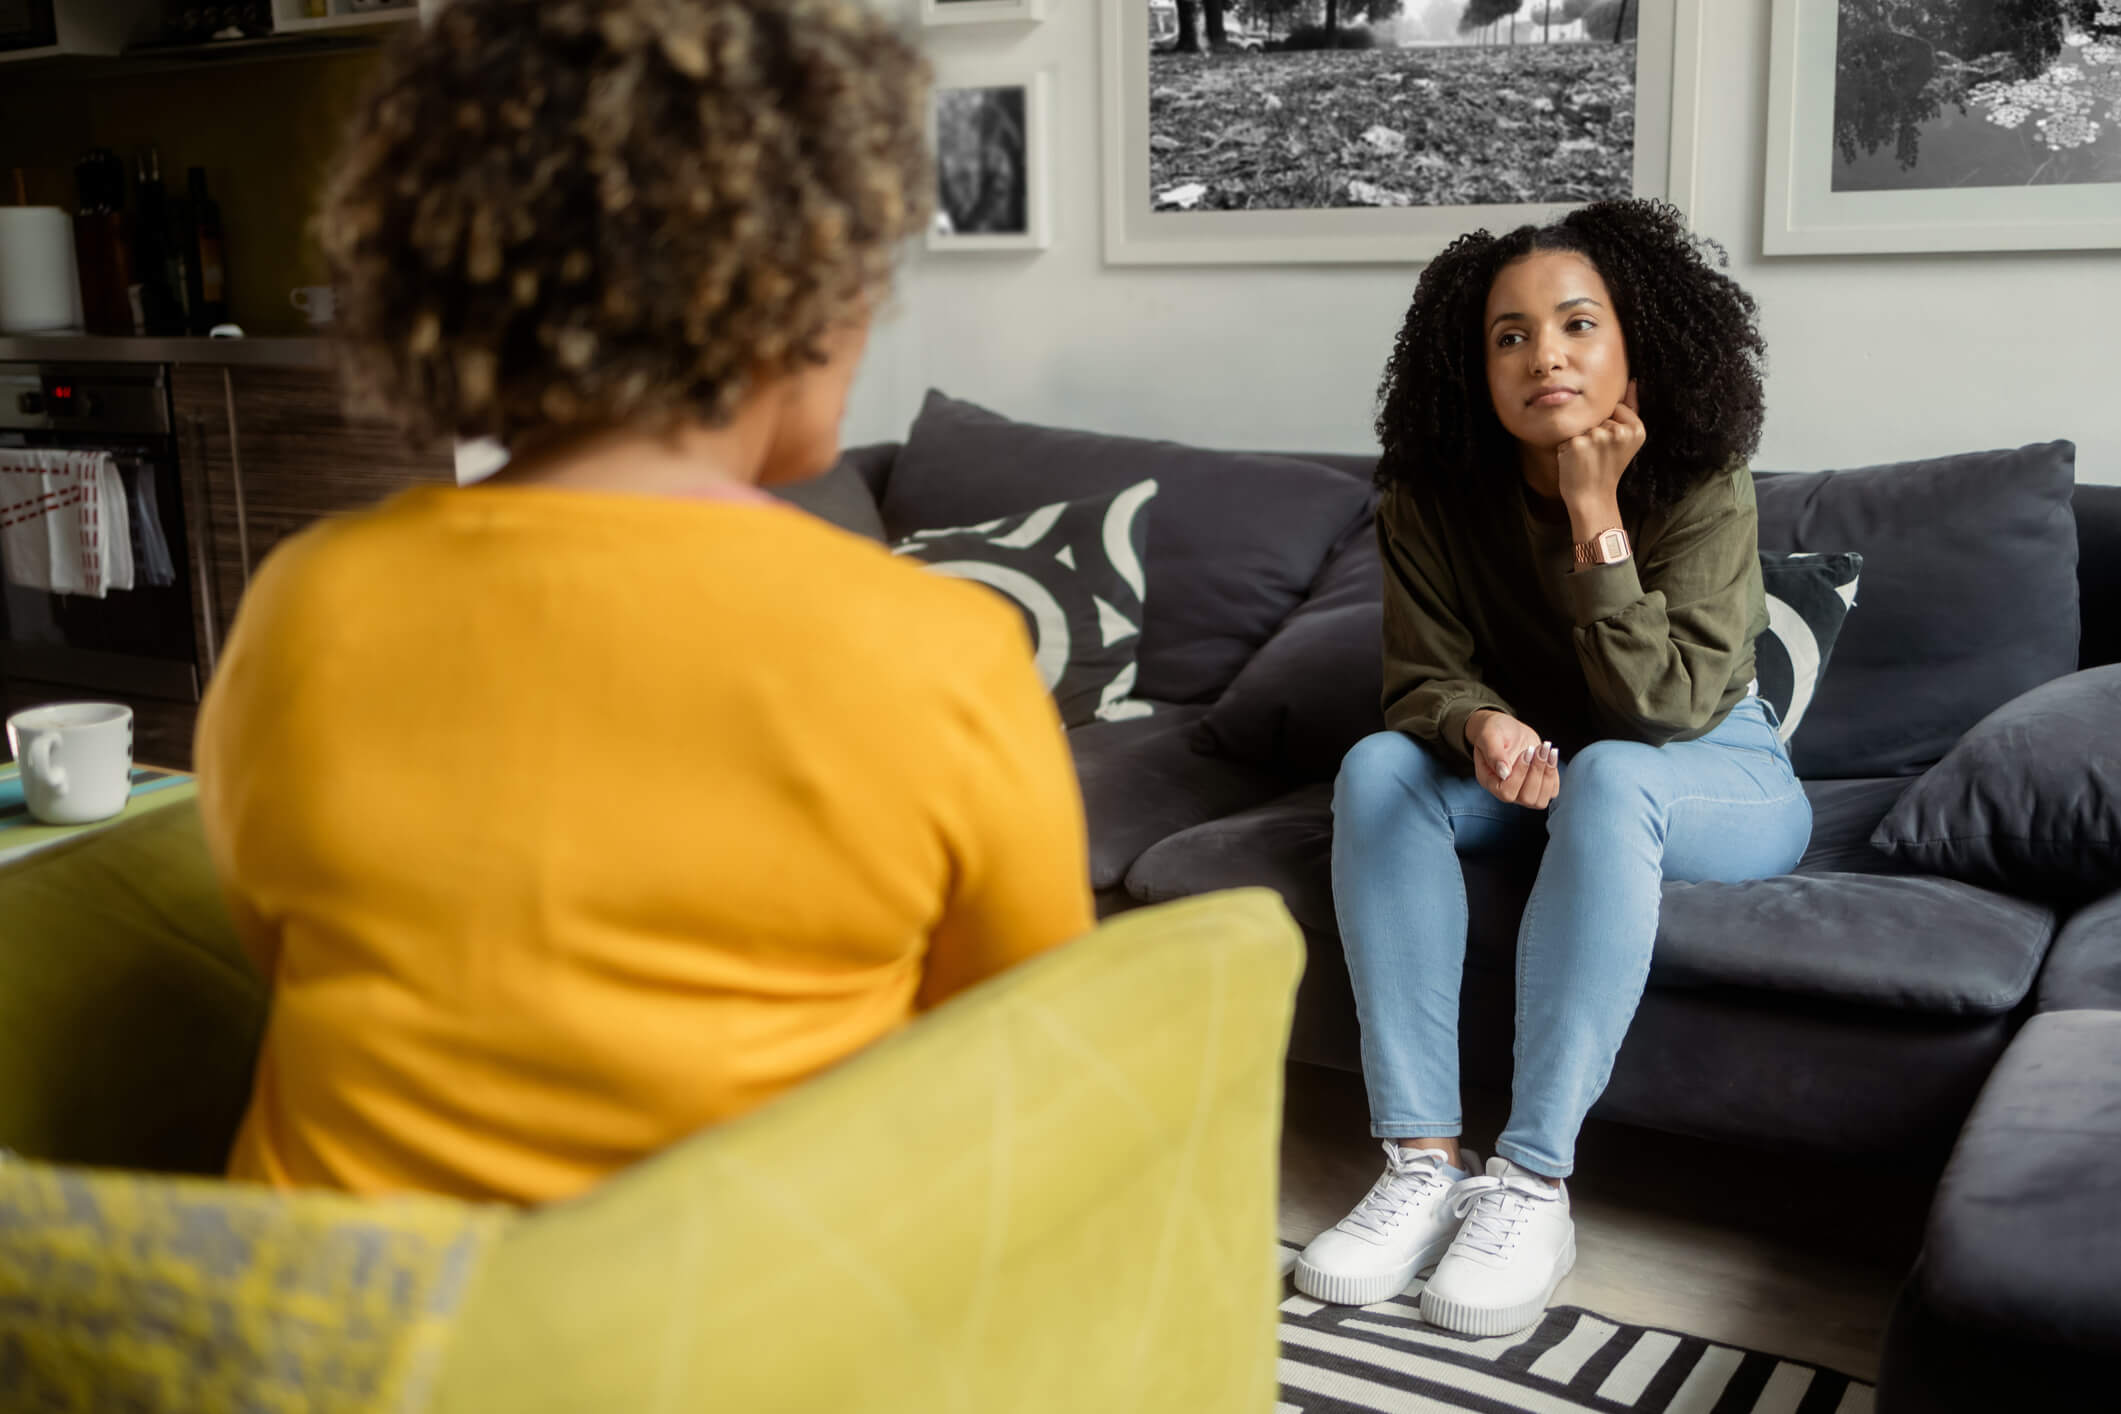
[1627,817]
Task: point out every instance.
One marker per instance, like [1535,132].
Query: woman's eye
[1580,323]
[1508,340]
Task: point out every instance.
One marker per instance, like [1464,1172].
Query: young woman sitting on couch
[1572,591]
[577,810]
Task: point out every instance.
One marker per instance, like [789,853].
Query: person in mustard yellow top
[574,811]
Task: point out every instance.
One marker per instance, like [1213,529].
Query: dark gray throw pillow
[1314,690]
[1808,596]
[2028,801]
[1235,542]
[1074,570]
[1969,597]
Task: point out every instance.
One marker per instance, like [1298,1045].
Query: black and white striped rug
[1383,1359]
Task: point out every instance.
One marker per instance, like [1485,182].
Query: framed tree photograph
[1934,125]
[992,152]
[1376,131]
[976,12]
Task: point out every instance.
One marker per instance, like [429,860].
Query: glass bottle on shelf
[158,271]
[100,245]
[209,257]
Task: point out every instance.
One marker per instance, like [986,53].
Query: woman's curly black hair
[1693,344]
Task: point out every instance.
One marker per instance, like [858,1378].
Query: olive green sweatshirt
[1485,608]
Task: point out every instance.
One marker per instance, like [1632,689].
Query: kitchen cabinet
[267,451]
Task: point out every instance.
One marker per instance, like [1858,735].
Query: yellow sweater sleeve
[1022,884]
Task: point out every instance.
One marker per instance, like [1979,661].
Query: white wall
[1873,358]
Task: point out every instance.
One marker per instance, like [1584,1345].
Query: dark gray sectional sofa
[1854,1008]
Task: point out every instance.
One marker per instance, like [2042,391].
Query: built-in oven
[133,643]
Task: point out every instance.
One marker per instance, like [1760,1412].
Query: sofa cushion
[1287,843]
[1843,815]
[1905,944]
[1143,780]
[1073,569]
[1969,597]
[1808,598]
[1235,542]
[2029,800]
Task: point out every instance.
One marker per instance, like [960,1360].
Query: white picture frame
[1667,106]
[982,12]
[1037,162]
[1804,215]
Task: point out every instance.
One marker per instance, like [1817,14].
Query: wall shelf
[293,35]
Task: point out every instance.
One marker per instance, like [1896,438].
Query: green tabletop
[22,833]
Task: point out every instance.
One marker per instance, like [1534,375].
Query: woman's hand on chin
[1593,462]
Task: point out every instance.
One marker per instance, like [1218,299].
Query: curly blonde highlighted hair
[593,212]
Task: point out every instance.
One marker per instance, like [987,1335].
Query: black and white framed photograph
[979,12]
[991,159]
[1931,125]
[1298,131]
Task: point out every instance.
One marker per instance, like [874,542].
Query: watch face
[1613,545]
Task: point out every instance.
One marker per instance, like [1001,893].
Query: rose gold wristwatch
[1608,547]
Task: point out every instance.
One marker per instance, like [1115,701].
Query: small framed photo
[980,12]
[992,152]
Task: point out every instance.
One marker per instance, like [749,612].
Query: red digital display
[62,392]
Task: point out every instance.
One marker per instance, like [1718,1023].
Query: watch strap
[1608,547]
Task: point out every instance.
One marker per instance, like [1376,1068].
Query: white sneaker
[1403,1225]
[1517,1243]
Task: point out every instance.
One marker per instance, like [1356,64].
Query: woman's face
[806,437]
[1557,366]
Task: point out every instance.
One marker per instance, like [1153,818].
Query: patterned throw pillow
[1808,597]
[1074,570]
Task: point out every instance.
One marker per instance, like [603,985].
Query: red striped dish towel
[63,522]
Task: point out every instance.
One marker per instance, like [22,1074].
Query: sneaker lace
[1493,1211]
[1397,1189]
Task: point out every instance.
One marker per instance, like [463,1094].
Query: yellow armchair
[1056,1193]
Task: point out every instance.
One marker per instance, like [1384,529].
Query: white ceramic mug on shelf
[76,760]
[318,303]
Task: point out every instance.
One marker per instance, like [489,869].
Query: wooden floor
[1791,1255]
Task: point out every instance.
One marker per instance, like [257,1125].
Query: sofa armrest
[1055,1193]
[2083,967]
[847,495]
[129,1017]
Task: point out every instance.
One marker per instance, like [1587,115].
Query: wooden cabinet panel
[275,451]
[199,400]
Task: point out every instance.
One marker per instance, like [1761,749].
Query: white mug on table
[76,760]
[320,303]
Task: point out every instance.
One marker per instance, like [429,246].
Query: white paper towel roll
[40,287]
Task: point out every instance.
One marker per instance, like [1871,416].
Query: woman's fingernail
[1504,773]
